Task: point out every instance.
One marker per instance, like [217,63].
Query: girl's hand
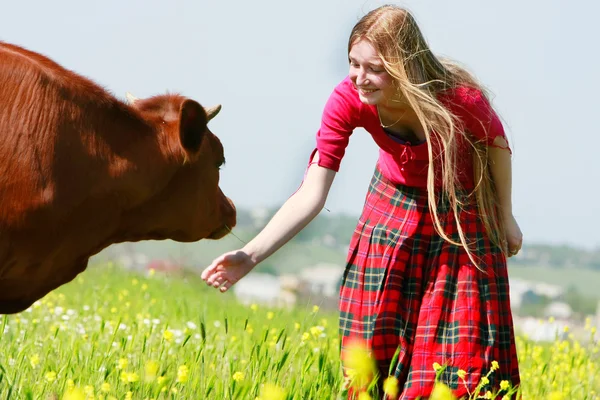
[228,269]
[514,236]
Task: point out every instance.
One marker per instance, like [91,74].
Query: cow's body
[81,170]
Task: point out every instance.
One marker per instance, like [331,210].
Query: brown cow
[81,170]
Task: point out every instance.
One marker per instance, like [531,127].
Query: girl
[426,271]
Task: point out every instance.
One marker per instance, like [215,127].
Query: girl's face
[371,80]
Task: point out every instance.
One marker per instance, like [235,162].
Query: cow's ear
[192,125]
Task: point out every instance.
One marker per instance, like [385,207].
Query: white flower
[191,325]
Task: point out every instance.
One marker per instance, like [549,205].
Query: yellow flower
[488,395]
[182,374]
[122,363]
[556,396]
[144,287]
[160,380]
[461,373]
[315,309]
[504,385]
[315,331]
[89,390]
[436,366]
[390,386]
[50,376]
[305,336]
[296,326]
[70,384]
[495,365]
[151,272]
[271,392]
[150,370]
[134,282]
[254,307]
[34,360]
[441,392]
[270,315]
[168,335]
[129,395]
[485,380]
[129,377]
[74,394]
[238,376]
[360,363]
[105,387]
[364,396]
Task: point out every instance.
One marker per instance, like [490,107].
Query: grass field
[111,334]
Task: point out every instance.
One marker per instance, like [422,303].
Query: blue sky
[272,65]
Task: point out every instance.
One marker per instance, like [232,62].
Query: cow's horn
[130,98]
[212,112]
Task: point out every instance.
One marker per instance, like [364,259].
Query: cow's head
[190,206]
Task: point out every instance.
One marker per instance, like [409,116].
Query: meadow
[115,334]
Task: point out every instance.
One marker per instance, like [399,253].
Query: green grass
[116,335]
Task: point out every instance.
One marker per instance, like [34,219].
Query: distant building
[523,292]
[323,279]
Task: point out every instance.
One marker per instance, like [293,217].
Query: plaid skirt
[407,289]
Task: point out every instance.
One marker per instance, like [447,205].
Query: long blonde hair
[420,76]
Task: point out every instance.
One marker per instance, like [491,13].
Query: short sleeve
[337,124]
[480,119]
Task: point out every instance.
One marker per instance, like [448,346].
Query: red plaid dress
[406,288]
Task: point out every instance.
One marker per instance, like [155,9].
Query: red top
[403,163]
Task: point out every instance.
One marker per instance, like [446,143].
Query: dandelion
[34,360]
[270,315]
[238,376]
[271,392]
[88,390]
[50,376]
[316,330]
[129,377]
[105,387]
[122,363]
[73,394]
[150,370]
[182,374]
[168,335]
[441,392]
[359,361]
[390,387]
[495,365]
[504,385]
